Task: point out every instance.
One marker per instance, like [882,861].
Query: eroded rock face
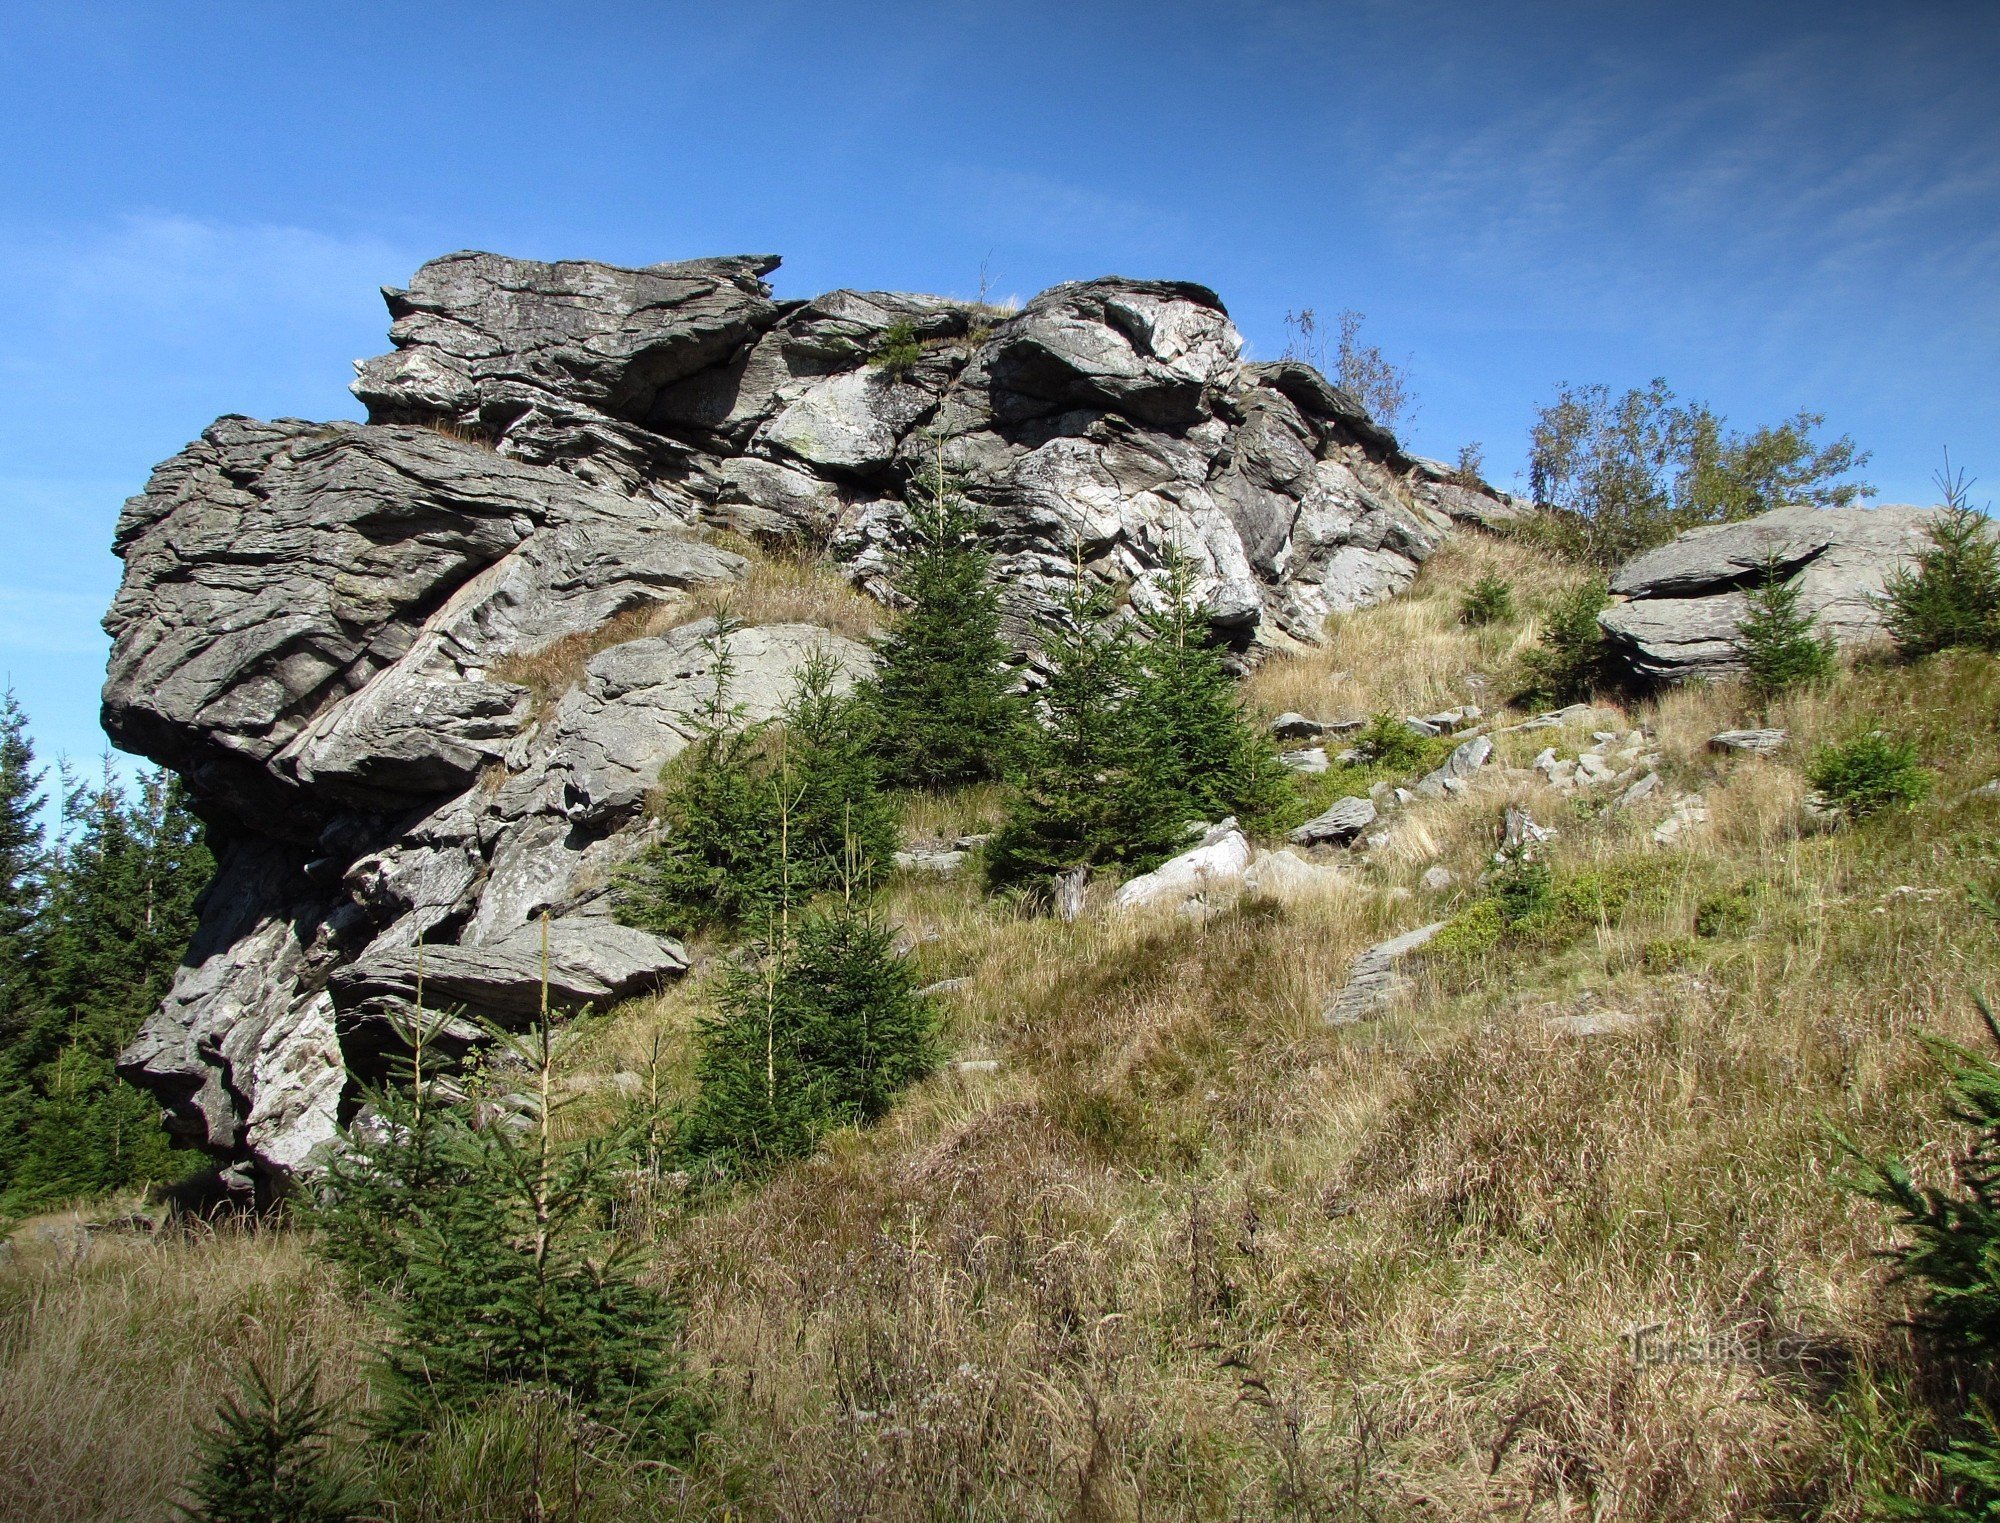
[387,657]
[1684,602]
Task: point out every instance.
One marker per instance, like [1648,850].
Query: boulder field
[317,621]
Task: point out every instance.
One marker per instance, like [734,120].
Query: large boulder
[421,673]
[1679,607]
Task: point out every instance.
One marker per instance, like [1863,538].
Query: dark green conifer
[495,1267]
[839,822]
[717,861]
[1210,754]
[1948,597]
[270,1458]
[22,868]
[115,918]
[1091,792]
[816,1028]
[1781,645]
[1950,1256]
[947,714]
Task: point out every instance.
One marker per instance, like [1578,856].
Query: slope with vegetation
[1563,1233]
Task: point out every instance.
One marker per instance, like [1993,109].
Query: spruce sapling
[1950,1255]
[270,1458]
[1208,752]
[841,824]
[946,712]
[715,863]
[1091,793]
[1780,644]
[1948,597]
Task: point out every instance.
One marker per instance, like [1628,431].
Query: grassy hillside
[1163,1243]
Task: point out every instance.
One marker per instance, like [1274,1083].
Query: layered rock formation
[318,621]
[1681,605]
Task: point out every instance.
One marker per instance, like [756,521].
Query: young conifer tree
[817,1026]
[841,824]
[1212,757]
[1950,1257]
[1781,645]
[1948,597]
[1092,792]
[115,915]
[22,866]
[946,710]
[270,1455]
[499,1271]
[715,864]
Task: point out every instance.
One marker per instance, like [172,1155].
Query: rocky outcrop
[404,667]
[1681,605]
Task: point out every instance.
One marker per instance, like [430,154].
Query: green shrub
[1730,912]
[764,816]
[1868,774]
[1781,645]
[898,350]
[1490,600]
[1949,596]
[1209,752]
[270,1455]
[1950,1256]
[818,1029]
[1388,742]
[1568,666]
[943,695]
[1092,793]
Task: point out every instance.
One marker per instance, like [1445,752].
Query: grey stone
[1520,832]
[1296,727]
[1343,822]
[1595,1023]
[930,860]
[1464,761]
[1645,788]
[1436,880]
[1684,602]
[592,963]
[1312,760]
[1374,981]
[1758,742]
[1285,874]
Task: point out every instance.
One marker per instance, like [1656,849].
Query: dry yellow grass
[779,588]
[1412,655]
[113,1348]
[1190,1252]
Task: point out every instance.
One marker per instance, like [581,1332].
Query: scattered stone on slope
[1289,726]
[1686,812]
[1460,766]
[1520,833]
[931,859]
[1373,980]
[1285,875]
[1436,880]
[1596,1023]
[1218,862]
[1758,742]
[1682,604]
[1341,823]
[1311,760]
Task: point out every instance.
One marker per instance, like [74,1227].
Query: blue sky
[1772,205]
